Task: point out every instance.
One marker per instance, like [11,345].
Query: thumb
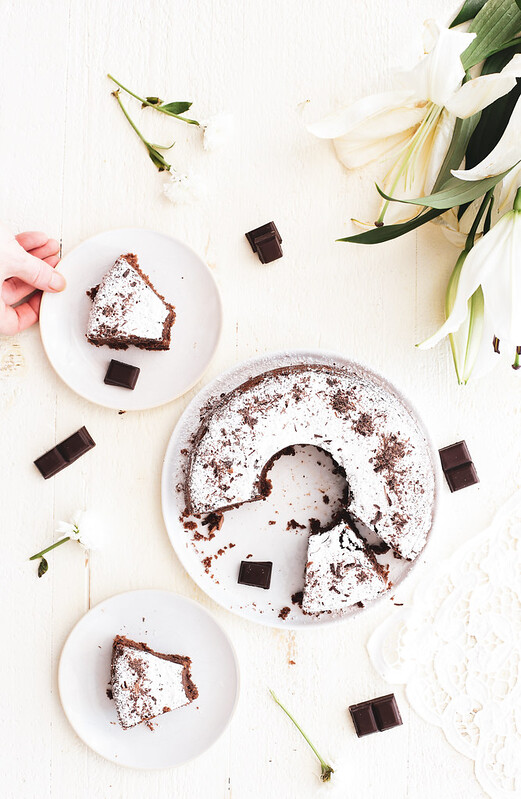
[37,272]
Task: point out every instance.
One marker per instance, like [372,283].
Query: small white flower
[183,189]
[84,528]
[217,131]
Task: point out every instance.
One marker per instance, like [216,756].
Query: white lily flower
[415,123]
[492,265]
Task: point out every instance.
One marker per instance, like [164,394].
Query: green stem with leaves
[155,156]
[157,106]
[327,770]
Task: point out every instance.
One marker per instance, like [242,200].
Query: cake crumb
[284,613]
[297,598]
[291,662]
[294,525]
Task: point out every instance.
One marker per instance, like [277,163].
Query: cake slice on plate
[145,684]
[341,570]
[127,309]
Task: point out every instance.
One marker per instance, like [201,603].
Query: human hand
[27,263]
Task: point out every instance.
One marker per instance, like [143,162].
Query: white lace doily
[458,650]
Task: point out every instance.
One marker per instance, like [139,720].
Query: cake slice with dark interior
[127,310]
[145,684]
[341,570]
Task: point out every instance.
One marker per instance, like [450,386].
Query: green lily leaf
[454,192]
[468,11]
[518,3]
[175,108]
[495,25]
[378,235]
[463,131]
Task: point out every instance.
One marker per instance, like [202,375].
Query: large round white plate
[179,274]
[263,530]
[168,623]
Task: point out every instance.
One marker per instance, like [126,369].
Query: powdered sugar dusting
[145,686]
[339,572]
[347,411]
[127,305]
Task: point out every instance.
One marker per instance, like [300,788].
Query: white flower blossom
[217,131]
[84,527]
[182,189]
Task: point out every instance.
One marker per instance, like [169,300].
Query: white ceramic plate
[168,623]
[260,529]
[179,274]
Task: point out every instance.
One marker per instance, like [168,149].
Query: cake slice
[127,309]
[341,570]
[145,684]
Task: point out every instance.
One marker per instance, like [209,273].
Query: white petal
[439,73]
[502,289]
[348,119]
[439,146]
[505,154]
[508,189]
[65,528]
[476,94]
[354,155]
[483,259]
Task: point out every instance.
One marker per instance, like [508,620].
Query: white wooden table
[72,167]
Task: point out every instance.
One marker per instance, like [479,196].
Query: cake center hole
[307,483]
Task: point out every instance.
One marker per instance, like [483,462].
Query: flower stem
[327,771]
[131,121]
[48,549]
[157,107]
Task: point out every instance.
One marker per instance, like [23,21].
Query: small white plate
[263,530]
[168,623]
[179,274]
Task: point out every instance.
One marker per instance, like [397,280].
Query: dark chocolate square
[256,573]
[121,374]
[269,228]
[51,463]
[363,719]
[386,712]
[462,477]
[454,455]
[76,445]
[268,248]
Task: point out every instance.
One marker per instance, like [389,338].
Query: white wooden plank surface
[71,166]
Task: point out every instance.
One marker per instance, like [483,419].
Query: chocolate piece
[454,455]
[76,445]
[375,715]
[51,463]
[462,477]
[65,453]
[266,241]
[121,374]
[363,719]
[386,712]
[457,466]
[256,573]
